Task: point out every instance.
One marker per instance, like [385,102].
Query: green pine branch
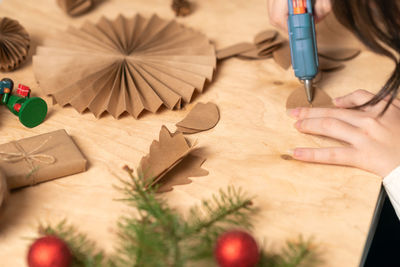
[157,236]
[230,209]
[84,252]
[295,254]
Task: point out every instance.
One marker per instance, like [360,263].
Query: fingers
[360,97]
[322,9]
[356,98]
[278,13]
[335,155]
[331,127]
[353,117]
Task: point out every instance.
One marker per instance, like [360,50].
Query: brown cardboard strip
[234,50]
[44,157]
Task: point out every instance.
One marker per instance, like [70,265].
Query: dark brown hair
[377,24]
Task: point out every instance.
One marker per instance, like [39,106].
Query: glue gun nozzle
[309,90]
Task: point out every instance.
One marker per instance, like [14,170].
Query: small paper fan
[75,7]
[125,65]
[14,44]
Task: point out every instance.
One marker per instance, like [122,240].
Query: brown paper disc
[329,65]
[339,54]
[298,98]
[282,56]
[202,117]
[265,36]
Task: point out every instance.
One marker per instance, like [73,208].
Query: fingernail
[290,152]
[293,112]
[337,100]
[297,124]
[297,153]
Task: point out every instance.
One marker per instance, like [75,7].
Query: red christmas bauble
[49,251]
[236,249]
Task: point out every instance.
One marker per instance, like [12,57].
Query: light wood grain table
[335,205]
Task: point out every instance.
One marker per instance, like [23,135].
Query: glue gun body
[303,46]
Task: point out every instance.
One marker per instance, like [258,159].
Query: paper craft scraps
[234,50]
[298,98]
[169,163]
[264,44]
[14,44]
[269,44]
[202,117]
[329,59]
[125,65]
[40,158]
[75,7]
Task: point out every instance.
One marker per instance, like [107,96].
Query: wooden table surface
[334,205]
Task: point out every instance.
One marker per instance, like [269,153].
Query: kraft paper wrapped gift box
[40,158]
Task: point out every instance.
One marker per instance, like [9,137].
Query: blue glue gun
[303,46]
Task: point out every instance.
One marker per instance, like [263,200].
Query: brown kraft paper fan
[14,44]
[125,65]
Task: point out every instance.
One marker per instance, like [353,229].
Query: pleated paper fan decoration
[14,44]
[125,65]
[75,7]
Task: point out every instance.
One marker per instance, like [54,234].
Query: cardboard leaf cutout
[170,152]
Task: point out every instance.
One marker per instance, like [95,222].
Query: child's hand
[374,142]
[278,11]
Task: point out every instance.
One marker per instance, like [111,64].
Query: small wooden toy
[30,110]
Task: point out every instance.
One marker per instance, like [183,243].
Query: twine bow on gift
[29,157]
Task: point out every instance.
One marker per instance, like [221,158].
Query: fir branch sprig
[84,252]
[230,207]
[158,236]
[152,239]
[295,254]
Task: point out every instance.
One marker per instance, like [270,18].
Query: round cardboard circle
[33,112]
[298,98]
